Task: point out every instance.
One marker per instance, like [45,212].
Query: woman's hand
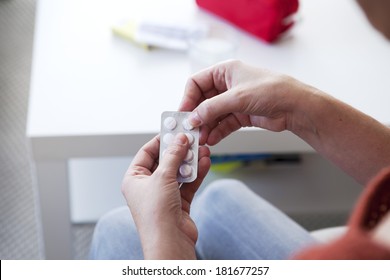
[232,95]
[159,208]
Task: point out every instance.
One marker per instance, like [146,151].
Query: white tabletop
[86,81]
[93,94]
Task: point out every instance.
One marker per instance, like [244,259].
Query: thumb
[210,109]
[174,155]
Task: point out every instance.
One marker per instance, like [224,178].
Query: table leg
[53,188]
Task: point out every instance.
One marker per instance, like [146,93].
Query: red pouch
[265,19]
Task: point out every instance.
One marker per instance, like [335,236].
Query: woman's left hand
[159,207]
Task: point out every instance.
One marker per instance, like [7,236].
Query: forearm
[355,142]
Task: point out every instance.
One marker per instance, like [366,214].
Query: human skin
[159,208]
[232,95]
[352,140]
[377,12]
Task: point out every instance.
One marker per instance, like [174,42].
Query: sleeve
[356,243]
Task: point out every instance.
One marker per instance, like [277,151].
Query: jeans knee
[120,217]
[223,188]
[218,199]
[116,237]
[226,197]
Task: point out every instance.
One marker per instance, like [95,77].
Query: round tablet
[189,156]
[170,123]
[187,125]
[191,138]
[168,138]
[185,170]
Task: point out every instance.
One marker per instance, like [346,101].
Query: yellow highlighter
[127,30]
[161,33]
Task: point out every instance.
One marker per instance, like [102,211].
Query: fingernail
[180,139]
[194,119]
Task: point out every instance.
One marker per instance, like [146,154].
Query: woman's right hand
[231,95]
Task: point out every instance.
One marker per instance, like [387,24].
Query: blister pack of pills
[173,123]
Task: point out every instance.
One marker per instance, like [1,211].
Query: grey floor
[20,227]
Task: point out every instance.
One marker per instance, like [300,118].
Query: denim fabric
[116,237]
[233,223]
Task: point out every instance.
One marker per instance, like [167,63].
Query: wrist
[304,108]
[167,245]
[164,238]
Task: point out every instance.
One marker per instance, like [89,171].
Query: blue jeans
[233,223]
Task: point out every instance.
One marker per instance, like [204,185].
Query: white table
[95,95]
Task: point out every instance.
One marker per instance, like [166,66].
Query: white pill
[189,156]
[185,170]
[168,138]
[187,125]
[170,123]
[191,138]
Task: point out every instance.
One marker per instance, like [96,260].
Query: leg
[116,237]
[235,223]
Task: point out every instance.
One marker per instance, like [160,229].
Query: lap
[233,223]
[116,237]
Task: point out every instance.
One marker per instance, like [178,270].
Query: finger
[212,109]
[203,85]
[204,164]
[174,155]
[228,125]
[188,190]
[204,134]
[206,129]
[204,153]
[193,97]
[146,158]
[213,80]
